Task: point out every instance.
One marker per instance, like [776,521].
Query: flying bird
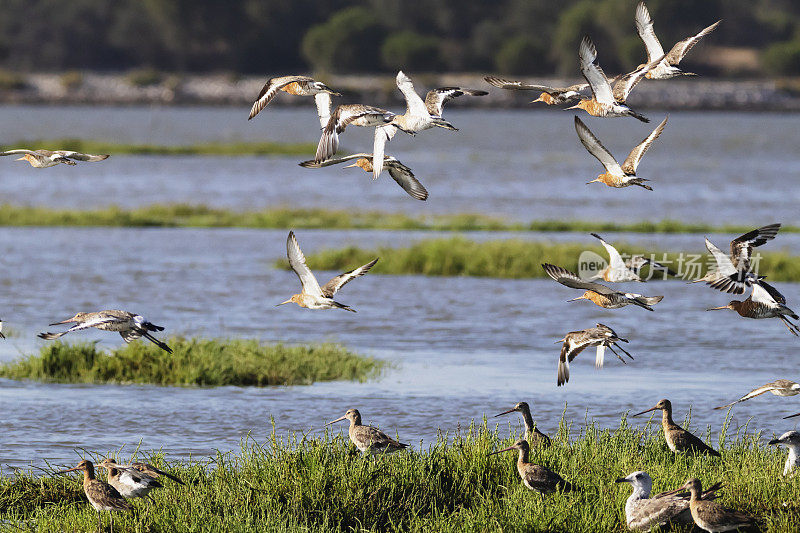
[51,158]
[350,114]
[130,326]
[779,387]
[667,67]
[575,342]
[764,302]
[549,96]
[628,270]
[313,296]
[400,173]
[300,86]
[616,175]
[598,293]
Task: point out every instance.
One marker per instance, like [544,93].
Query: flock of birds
[733,274]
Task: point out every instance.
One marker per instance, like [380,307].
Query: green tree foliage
[348,41]
[783,58]
[410,50]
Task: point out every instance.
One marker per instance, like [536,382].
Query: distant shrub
[348,41]
[411,50]
[782,58]
[518,55]
[11,81]
[144,77]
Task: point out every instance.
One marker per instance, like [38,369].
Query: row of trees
[258,36]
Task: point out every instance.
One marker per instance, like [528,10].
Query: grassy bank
[206,362]
[201,216]
[514,259]
[218,149]
[321,484]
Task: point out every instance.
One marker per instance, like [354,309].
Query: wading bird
[617,175]
[51,158]
[764,302]
[790,439]
[536,477]
[128,325]
[347,115]
[300,86]
[102,496]
[367,439]
[605,101]
[678,439]
[313,296]
[627,270]
[711,516]
[397,170]
[534,436]
[597,293]
[550,95]
[732,273]
[779,387]
[128,481]
[668,66]
[643,512]
[575,342]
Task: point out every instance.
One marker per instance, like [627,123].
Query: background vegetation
[256,36]
[322,484]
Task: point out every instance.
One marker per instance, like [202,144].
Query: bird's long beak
[717,308]
[353,165]
[504,413]
[577,106]
[337,420]
[69,470]
[503,450]
[276,305]
[67,321]
[22,159]
[791,416]
[594,180]
[578,298]
[537,100]
[646,411]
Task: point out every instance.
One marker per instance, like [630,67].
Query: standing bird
[550,95]
[643,512]
[616,175]
[349,114]
[102,496]
[597,293]
[605,101]
[678,439]
[764,302]
[536,477]
[536,437]
[313,296]
[367,439]
[711,516]
[667,67]
[628,270]
[732,273]
[397,170]
[50,158]
[129,481]
[300,86]
[575,342]
[129,326]
[790,439]
[779,387]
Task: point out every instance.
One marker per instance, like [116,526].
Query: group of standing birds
[733,273]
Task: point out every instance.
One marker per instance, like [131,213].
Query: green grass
[205,362]
[215,149]
[458,256]
[202,216]
[322,484]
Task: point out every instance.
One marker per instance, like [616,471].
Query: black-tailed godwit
[711,516]
[678,439]
[313,296]
[128,481]
[536,477]
[764,302]
[617,175]
[367,439]
[668,66]
[534,436]
[347,115]
[300,86]
[627,270]
[51,158]
[779,387]
[575,342]
[130,326]
[101,495]
[598,293]
[549,96]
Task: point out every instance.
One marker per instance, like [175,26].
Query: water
[462,348]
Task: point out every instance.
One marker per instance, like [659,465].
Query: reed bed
[202,216]
[458,256]
[203,362]
[323,484]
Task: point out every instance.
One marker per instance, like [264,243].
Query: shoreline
[109,89]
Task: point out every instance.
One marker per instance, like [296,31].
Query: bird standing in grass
[51,158]
[313,296]
[711,516]
[535,437]
[678,439]
[536,477]
[129,326]
[101,495]
[367,439]
[129,481]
